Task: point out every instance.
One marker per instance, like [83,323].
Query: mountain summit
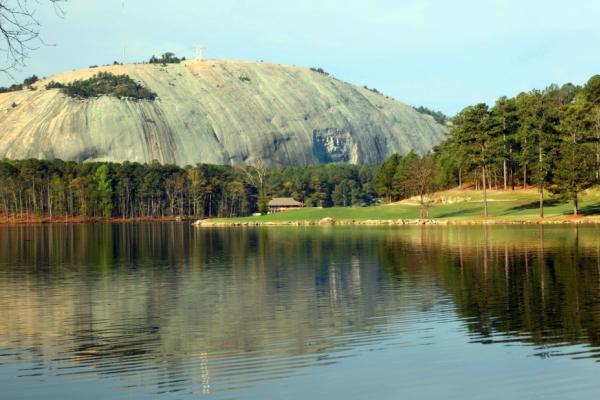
[221,112]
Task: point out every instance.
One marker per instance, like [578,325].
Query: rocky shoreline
[400,222]
[35,219]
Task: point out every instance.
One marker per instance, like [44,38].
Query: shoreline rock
[328,221]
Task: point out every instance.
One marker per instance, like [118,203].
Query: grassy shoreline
[453,207]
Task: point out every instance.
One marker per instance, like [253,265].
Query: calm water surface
[169,311]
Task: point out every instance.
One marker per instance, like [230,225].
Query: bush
[166,58]
[31,80]
[105,83]
[54,85]
[12,88]
[319,71]
[438,116]
[373,90]
[20,86]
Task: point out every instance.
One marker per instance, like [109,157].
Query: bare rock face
[220,112]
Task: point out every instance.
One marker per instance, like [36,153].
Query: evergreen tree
[537,126]
[399,189]
[591,96]
[506,122]
[384,181]
[473,131]
[574,166]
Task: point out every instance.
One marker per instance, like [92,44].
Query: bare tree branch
[20,31]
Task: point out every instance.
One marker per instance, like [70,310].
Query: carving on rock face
[334,145]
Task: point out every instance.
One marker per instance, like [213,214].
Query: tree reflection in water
[174,307]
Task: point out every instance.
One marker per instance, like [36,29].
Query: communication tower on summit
[200,52]
[124,34]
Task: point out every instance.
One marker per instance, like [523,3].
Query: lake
[175,312]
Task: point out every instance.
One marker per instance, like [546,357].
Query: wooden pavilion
[280,204]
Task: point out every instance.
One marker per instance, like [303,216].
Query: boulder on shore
[327,221]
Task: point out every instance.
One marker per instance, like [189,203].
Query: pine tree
[384,181]
[506,123]
[473,130]
[574,167]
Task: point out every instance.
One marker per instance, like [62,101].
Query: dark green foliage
[31,80]
[320,71]
[592,90]
[20,86]
[576,155]
[54,85]
[373,90]
[550,138]
[438,116]
[263,206]
[325,185]
[132,190]
[384,181]
[105,83]
[574,172]
[12,88]
[166,58]
[402,177]
[399,188]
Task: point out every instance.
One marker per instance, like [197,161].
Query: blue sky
[444,54]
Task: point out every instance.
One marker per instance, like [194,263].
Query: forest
[548,139]
[132,190]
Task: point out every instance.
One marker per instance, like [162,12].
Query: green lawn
[521,204]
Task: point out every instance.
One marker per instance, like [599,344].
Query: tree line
[27,83]
[438,116]
[549,139]
[166,58]
[133,190]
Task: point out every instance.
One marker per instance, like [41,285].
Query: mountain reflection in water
[169,309]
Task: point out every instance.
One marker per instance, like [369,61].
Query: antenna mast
[124,34]
[200,52]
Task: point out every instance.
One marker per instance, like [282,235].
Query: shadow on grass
[467,212]
[590,209]
[534,205]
